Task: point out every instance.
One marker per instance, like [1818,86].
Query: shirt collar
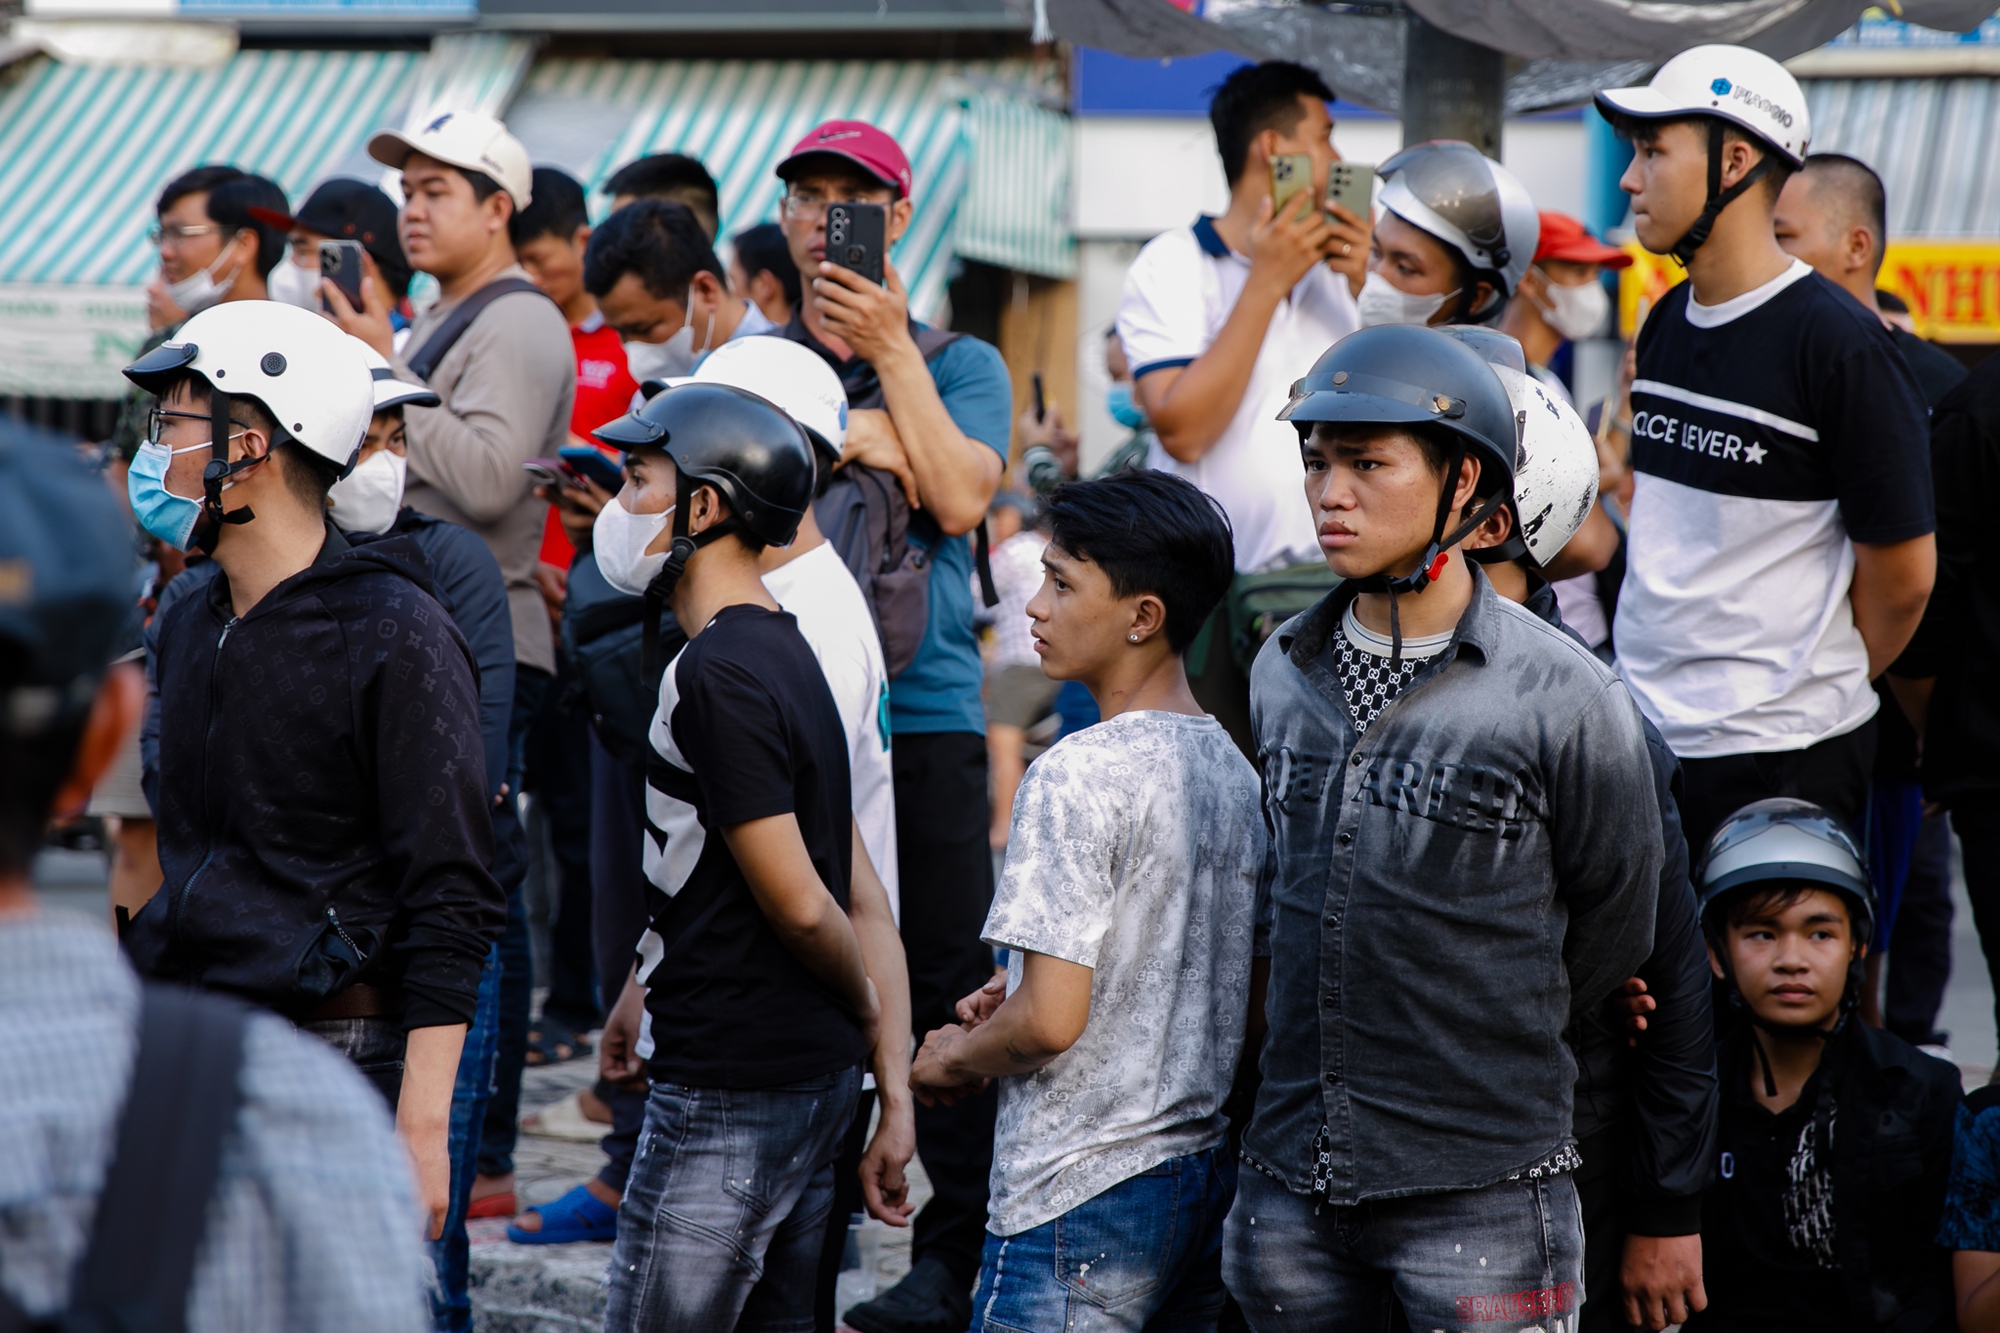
[1209,239]
[1305,639]
[592,322]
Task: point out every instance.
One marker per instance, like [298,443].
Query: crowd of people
[1386,848]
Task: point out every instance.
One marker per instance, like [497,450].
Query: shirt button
[1357,761]
[1333,918]
[1329,1002]
[1343,837]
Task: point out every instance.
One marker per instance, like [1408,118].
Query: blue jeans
[726,1207]
[451,1304]
[1508,1257]
[1145,1254]
[517,982]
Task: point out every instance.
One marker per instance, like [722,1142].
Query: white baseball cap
[469,140]
[789,375]
[1745,87]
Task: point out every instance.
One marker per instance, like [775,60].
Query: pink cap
[869,148]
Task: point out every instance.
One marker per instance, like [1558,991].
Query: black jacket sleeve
[469,583]
[421,706]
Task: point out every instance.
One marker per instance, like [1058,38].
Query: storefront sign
[59,341]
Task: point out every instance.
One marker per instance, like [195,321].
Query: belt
[361,1000]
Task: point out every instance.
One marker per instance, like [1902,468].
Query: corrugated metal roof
[1934,142]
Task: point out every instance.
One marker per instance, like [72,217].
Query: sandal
[551,1042]
[494,1205]
[577,1215]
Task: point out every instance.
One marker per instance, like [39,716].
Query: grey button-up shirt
[1444,892]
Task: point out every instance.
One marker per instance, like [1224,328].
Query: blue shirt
[1971,1218]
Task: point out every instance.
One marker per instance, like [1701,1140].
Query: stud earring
[1133,637]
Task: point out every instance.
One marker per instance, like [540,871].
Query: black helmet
[1784,840]
[746,447]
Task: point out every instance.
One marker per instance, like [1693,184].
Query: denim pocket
[745,1149]
[1113,1248]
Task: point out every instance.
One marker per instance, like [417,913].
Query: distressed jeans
[725,1209]
[1508,1257]
[451,1303]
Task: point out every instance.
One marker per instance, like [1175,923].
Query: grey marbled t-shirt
[1135,852]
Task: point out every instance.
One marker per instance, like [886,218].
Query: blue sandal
[577,1215]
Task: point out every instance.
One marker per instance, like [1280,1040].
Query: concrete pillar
[1452,89]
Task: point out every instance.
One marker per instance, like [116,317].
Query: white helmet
[390,391]
[309,375]
[1467,200]
[788,374]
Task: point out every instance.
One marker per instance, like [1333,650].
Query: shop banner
[1952,286]
[61,341]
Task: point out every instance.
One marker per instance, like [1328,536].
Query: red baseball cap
[1568,241]
[867,147]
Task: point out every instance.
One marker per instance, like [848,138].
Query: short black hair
[1640,130]
[660,241]
[673,177]
[556,208]
[196,180]
[1149,532]
[1257,98]
[762,249]
[230,203]
[307,475]
[1859,190]
[1769,897]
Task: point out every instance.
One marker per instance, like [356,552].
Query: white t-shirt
[824,598]
[1135,852]
[1178,294]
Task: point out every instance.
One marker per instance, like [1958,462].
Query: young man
[339,210]
[755,974]
[1561,298]
[308,1224]
[338,873]
[1836,1136]
[761,271]
[932,408]
[1127,910]
[1453,241]
[673,178]
[1220,317]
[658,284]
[1779,551]
[1467,853]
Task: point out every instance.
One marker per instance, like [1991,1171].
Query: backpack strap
[982,564]
[425,362]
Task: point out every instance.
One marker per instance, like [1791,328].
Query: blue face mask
[1124,408]
[167,516]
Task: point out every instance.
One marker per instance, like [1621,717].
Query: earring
[1133,637]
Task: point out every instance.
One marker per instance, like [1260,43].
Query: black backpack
[180,1109]
[603,632]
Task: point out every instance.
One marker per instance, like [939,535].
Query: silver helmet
[1467,200]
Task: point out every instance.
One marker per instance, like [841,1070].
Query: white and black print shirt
[1361,659]
[1808,1199]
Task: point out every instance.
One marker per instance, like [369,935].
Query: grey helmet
[1784,840]
[1467,200]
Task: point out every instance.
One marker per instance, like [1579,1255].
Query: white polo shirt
[1178,294]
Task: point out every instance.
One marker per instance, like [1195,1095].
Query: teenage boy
[658,282]
[755,973]
[932,408]
[1836,1137]
[1467,853]
[1779,550]
[1220,317]
[338,873]
[308,1209]
[1127,910]
[339,210]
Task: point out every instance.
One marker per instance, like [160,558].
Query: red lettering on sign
[1517,1305]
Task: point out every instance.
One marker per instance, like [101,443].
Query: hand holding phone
[340,263]
[548,472]
[1352,186]
[1291,176]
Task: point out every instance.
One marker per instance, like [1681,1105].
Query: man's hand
[1284,248]
[1661,1277]
[872,320]
[883,1187]
[161,312]
[577,506]
[370,323]
[1632,1001]
[931,1078]
[977,1007]
[1050,433]
[1348,236]
[872,439]
[618,1048]
[423,1115]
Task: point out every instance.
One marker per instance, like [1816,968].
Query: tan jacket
[507,385]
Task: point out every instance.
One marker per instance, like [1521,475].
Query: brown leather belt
[361,1000]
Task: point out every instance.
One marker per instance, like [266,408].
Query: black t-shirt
[746,729]
[1938,372]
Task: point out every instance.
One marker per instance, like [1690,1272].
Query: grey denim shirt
[1443,893]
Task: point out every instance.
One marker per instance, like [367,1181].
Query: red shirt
[604,389]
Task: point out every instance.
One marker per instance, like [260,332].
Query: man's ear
[712,288]
[1714,963]
[121,697]
[899,218]
[1468,481]
[580,238]
[1149,617]
[499,208]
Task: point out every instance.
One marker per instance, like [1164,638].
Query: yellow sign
[1952,286]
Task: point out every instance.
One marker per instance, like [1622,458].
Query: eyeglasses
[811,208]
[156,421]
[179,232]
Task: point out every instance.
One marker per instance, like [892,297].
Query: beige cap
[465,139]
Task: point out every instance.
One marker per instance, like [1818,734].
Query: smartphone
[340,262]
[1041,405]
[1291,176]
[548,472]
[587,461]
[1352,186]
[856,237]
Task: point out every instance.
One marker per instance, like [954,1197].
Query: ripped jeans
[1508,1257]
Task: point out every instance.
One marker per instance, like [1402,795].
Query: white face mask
[295,286]
[369,498]
[1576,312]
[677,355]
[1382,302]
[619,539]
[200,290]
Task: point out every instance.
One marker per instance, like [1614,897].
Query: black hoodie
[323,812]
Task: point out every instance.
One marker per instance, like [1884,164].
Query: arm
[772,855]
[1039,1021]
[1589,550]
[1975,1276]
[1891,585]
[895,1139]
[423,1114]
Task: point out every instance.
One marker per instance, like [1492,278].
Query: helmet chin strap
[661,589]
[219,470]
[1718,198]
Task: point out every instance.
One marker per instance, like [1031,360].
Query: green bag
[1258,603]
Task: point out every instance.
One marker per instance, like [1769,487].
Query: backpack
[603,632]
[885,544]
[180,1109]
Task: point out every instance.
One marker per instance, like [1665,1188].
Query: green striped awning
[1016,207]
[739,117]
